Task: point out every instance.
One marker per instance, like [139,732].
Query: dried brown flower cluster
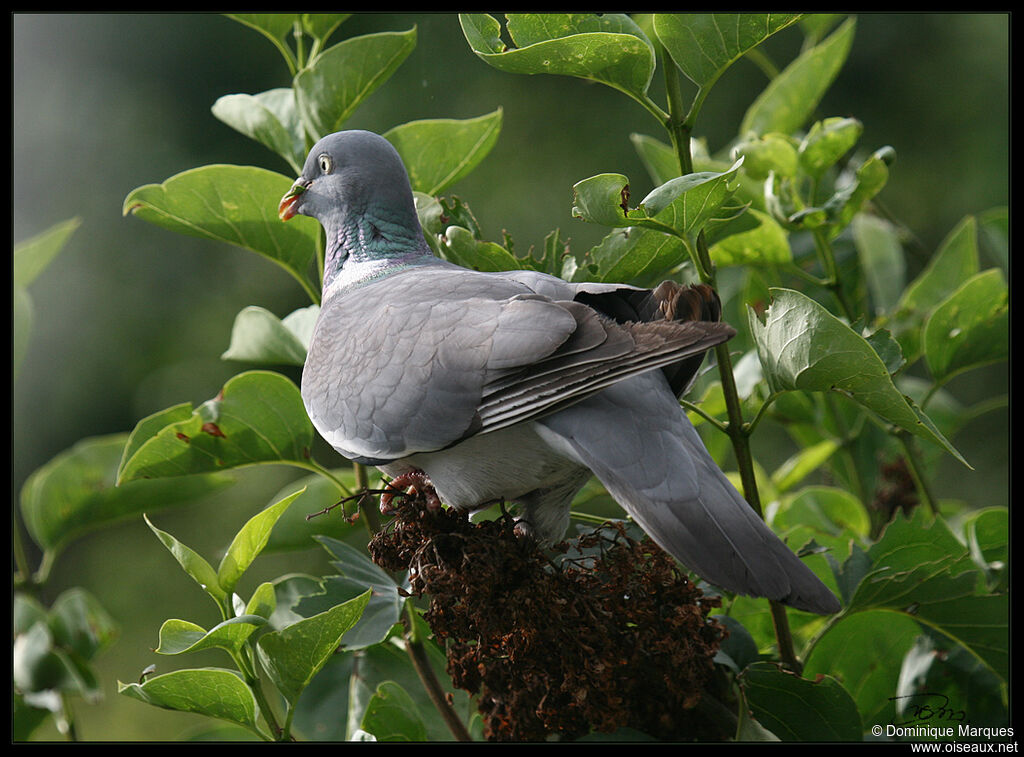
[896,491]
[605,634]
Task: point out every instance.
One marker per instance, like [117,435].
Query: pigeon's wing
[426,358]
[623,303]
[657,468]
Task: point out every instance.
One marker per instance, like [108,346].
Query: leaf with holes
[258,417]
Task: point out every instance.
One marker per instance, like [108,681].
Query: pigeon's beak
[291,198]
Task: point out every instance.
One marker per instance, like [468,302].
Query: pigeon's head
[348,174]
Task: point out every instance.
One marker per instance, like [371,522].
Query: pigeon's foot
[525,530]
[410,484]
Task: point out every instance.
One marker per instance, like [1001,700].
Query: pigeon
[518,386]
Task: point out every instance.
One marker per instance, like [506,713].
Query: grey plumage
[519,385]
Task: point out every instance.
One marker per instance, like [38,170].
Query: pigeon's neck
[364,247]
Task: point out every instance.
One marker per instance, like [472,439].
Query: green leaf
[180,636]
[22,326]
[871,176]
[263,602]
[276,26]
[258,336]
[37,665]
[602,199]
[460,247]
[80,623]
[987,534]
[804,347]
[337,81]
[26,611]
[270,118]
[704,45]
[75,492]
[213,692]
[768,154]
[658,158]
[150,425]
[791,98]
[825,509]
[817,25]
[920,568]
[32,256]
[439,152]
[391,715]
[681,205]
[865,651]
[739,646]
[881,258]
[293,655]
[970,328]
[296,528]
[941,678]
[994,225]
[321,25]
[798,709]
[688,202]
[258,417]
[380,663]
[289,591]
[802,464]
[826,142]
[633,255]
[232,204]
[249,542]
[358,573]
[954,262]
[766,243]
[194,564]
[610,48]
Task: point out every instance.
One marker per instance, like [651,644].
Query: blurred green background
[131,318]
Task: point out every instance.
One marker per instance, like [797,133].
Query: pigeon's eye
[325,163]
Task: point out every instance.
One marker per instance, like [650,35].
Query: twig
[418,655]
[679,128]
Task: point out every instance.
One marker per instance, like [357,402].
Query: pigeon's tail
[643,448]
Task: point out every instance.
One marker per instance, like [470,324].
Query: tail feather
[640,444]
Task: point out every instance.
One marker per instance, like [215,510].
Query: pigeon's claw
[410,484]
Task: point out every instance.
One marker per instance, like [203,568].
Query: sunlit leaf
[337,82]
[212,692]
[236,205]
[258,417]
[790,99]
[195,565]
[826,142]
[293,655]
[32,256]
[439,152]
[76,492]
[703,45]
[270,118]
[609,48]
[249,542]
[258,336]
[181,636]
[802,346]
